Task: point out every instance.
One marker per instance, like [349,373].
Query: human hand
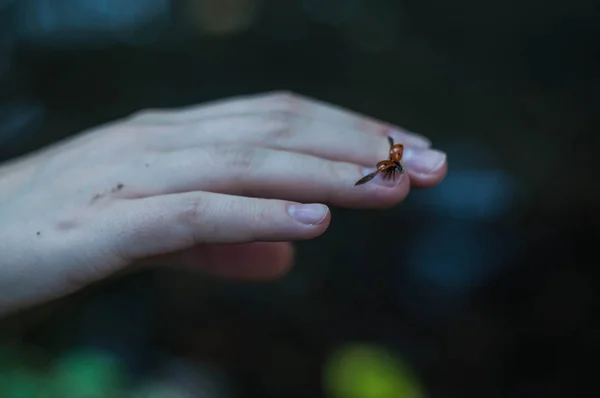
[223,186]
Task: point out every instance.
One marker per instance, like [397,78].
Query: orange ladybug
[390,168]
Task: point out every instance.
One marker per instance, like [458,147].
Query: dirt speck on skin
[95,198]
[117,188]
[38,233]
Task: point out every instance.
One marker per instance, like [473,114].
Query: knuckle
[260,216]
[122,137]
[143,136]
[282,94]
[281,128]
[193,210]
[241,158]
[255,217]
[285,101]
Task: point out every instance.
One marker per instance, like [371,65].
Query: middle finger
[267,173]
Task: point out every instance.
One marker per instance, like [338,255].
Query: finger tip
[310,219]
[257,261]
[279,263]
[428,180]
[385,193]
[324,224]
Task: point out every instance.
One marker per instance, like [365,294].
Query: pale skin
[223,187]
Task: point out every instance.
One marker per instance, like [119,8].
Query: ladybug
[389,168]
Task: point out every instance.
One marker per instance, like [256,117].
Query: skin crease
[218,187]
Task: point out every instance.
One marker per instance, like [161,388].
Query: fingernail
[423,160]
[309,214]
[409,138]
[379,180]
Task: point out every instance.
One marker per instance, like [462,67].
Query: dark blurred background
[480,287]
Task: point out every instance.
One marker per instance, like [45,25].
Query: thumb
[248,261]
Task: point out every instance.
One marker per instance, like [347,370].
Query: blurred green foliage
[369,371]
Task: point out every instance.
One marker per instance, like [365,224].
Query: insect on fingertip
[388,168]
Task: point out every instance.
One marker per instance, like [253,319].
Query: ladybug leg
[389,175]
